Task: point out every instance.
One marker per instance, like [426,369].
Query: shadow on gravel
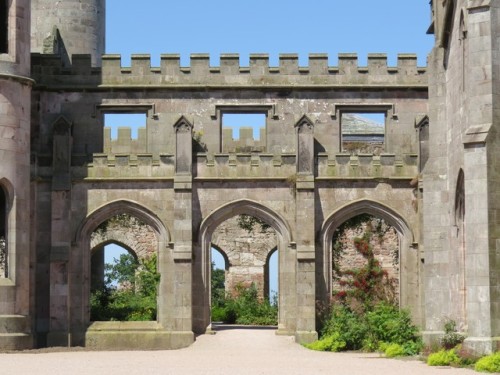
[226,327]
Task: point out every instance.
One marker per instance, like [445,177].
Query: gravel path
[232,351]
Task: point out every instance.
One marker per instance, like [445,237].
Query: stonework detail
[247,253]
[385,248]
[433,175]
[127,231]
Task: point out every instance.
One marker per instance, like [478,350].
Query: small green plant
[331,343]
[248,223]
[394,350]
[490,363]
[451,337]
[443,358]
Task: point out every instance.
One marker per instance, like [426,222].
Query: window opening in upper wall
[244,132]
[125,133]
[362,132]
[4,26]
[132,121]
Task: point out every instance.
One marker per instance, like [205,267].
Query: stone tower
[69,27]
[15,99]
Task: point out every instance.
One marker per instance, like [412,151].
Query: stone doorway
[280,242]
[245,245]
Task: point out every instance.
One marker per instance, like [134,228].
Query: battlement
[245,142]
[124,144]
[255,166]
[48,70]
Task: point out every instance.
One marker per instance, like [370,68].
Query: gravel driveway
[230,351]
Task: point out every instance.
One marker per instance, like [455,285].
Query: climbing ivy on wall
[248,223]
[365,285]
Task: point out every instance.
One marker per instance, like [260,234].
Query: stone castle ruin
[430,173]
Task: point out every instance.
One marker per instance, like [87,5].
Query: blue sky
[268,26]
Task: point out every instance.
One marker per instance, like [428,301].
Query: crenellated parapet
[245,141]
[48,70]
[124,143]
[255,166]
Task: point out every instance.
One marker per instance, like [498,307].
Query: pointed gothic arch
[353,209]
[201,283]
[81,254]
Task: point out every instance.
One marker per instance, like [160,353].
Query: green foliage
[248,223]
[386,323]
[394,350]
[490,363]
[134,299]
[218,288]
[369,329]
[364,315]
[122,220]
[451,337]
[248,309]
[443,358]
[348,325]
[331,343]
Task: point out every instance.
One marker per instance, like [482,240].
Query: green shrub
[246,308]
[451,337]
[350,327]
[331,343]
[443,358]
[394,350]
[135,300]
[384,324]
[490,363]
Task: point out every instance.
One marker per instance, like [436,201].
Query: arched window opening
[365,262]
[240,278]
[4,26]
[219,267]
[460,199]
[124,274]
[3,234]
[271,277]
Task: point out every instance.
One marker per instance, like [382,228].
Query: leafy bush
[451,337]
[348,325]
[364,315]
[384,324]
[331,343]
[248,309]
[443,358]
[394,350]
[135,297]
[490,363]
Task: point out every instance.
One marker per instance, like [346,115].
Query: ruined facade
[62,175]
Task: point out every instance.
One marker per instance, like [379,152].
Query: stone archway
[81,254]
[246,253]
[392,218]
[201,281]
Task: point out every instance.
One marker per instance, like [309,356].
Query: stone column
[59,330]
[180,316]
[305,229]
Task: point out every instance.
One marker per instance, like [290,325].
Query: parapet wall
[124,143]
[255,166]
[48,71]
[245,142]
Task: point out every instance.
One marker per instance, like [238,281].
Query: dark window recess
[4,27]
